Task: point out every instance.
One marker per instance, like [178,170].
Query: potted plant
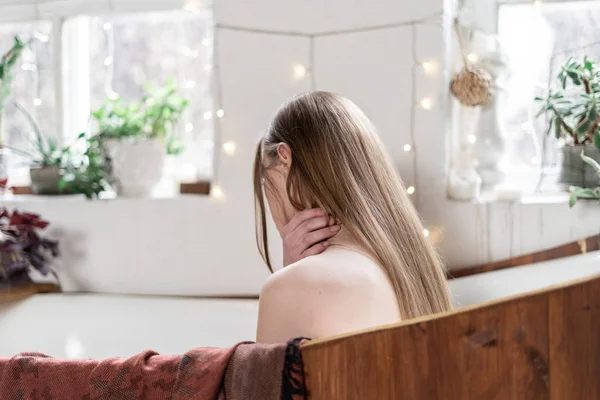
[139,135]
[574,116]
[23,249]
[91,176]
[7,65]
[47,160]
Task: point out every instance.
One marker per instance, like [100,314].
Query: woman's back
[337,291]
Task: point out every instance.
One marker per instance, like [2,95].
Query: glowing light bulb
[207,115]
[299,71]
[205,42]
[189,84]
[29,67]
[229,148]
[107,26]
[472,57]
[216,192]
[429,67]
[111,94]
[208,67]
[37,102]
[150,102]
[189,127]
[42,37]
[472,138]
[426,232]
[407,147]
[537,3]
[190,52]
[108,61]
[410,189]
[220,113]
[192,6]
[426,103]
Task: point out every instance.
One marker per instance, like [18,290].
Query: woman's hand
[307,234]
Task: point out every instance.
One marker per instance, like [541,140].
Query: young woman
[322,153]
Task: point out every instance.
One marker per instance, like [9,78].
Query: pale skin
[328,285]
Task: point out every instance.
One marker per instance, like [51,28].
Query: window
[33,89]
[537,38]
[114,55]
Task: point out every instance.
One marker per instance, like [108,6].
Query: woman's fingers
[314,224]
[309,239]
[302,216]
[316,249]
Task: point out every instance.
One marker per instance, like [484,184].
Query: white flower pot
[137,165]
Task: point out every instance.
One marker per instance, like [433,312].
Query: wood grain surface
[544,345]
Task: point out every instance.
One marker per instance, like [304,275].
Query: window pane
[32,88]
[537,40]
[127,51]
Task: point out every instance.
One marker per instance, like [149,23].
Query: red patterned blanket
[245,371]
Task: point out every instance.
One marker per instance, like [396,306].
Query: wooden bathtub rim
[548,289]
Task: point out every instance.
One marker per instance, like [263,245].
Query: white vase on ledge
[137,165]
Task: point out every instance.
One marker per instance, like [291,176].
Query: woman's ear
[285,155]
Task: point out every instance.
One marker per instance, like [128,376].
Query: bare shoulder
[317,296]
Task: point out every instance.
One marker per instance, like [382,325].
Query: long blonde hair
[340,165]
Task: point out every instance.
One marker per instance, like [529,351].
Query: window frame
[72,86]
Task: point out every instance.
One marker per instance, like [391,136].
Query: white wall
[206,246]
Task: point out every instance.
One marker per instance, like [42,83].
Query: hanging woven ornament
[472,86]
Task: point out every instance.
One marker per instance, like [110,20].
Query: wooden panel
[570,249]
[500,350]
[575,342]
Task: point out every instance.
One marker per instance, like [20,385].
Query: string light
[189,84]
[107,26]
[426,103]
[191,53]
[189,127]
[207,67]
[41,37]
[407,148]
[426,232]
[229,148]
[429,67]
[29,67]
[216,192]
[537,3]
[37,102]
[192,6]
[205,42]
[410,190]
[111,94]
[108,61]
[220,113]
[472,138]
[472,57]
[299,71]
[207,115]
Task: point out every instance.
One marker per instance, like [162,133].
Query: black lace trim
[292,382]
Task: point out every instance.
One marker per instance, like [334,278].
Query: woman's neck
[343,239]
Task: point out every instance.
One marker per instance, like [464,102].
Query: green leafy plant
[91,175]
[155,116]
[574,107]
[7,65]
[583,193]
[46,150]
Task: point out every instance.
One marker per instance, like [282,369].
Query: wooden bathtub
[541,345]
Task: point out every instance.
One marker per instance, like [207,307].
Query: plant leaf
[590,161]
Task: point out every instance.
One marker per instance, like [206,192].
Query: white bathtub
[100,326]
